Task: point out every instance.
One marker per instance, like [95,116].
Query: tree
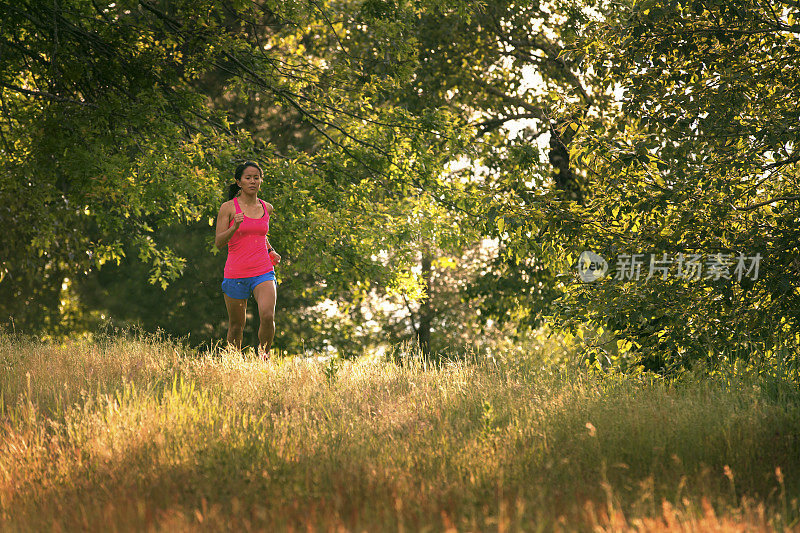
[704,163]
[497,65]
[119,144]
[100,132]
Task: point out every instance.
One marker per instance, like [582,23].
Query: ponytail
[233,190]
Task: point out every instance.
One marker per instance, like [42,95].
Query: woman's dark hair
[233,188]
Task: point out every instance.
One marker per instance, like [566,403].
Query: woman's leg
[236,314]
[265,294]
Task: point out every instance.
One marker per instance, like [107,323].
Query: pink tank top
[247,249]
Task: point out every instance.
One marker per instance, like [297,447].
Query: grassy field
[144,434]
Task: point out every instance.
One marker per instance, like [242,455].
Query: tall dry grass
[142,433]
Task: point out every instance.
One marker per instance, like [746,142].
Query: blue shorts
[242,288]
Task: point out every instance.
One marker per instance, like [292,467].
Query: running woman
[242,225]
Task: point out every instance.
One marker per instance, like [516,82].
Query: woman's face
[250,180]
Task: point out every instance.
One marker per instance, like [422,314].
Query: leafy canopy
[704,162]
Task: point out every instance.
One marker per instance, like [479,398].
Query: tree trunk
[565,179]
[426,308]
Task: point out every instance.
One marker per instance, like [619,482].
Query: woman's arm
[273,255]
[224,233]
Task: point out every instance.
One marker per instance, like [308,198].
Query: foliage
[704,162]
[482,64]
[103,140]
[403,142]
[120,145]
[503,69]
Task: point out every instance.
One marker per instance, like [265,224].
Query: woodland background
[436,167]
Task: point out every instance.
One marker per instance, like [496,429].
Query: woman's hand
[225,229]
[238,218]
[275,257]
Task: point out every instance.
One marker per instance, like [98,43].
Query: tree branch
[493,123]
[100,11]
[767,202]
[46,95]
[315,121]
[552,55]
[54,54]
[175,24]
[788,161]
[536,111]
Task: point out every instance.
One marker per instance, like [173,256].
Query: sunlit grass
[143,433]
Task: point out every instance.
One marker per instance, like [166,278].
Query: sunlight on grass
[145,433]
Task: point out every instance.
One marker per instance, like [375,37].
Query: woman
[242,225]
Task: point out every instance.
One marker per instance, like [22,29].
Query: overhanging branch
[767,202]
[46,95]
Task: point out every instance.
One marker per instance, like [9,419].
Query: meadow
[137,432]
